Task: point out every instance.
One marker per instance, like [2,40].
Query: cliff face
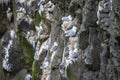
[60,40]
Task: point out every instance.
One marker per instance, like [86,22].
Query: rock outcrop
[60,40]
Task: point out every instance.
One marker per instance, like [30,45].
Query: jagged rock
[98,43]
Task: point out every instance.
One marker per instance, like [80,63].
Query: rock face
[61,40]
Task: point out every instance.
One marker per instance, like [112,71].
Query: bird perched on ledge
[39,30]
[54,47]
[67,18]
[9,14]
[71,32]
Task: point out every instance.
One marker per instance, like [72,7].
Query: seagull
[71,32]
[73,54]
[9,14]
[28,77]
[39,30]
[49,4]
[28,34]
[67,18]
[41,9]
[41,2]
[54,47]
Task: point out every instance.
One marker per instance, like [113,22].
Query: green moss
[35,72]
[70,74]
[21,79]
[26,48]
[37,18]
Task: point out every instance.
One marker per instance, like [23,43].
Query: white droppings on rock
[41,2]
[73,53]
[6,64]
[49,4]
[12,34]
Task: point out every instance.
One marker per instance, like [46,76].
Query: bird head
[70,17]
[8,10]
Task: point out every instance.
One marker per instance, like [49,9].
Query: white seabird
[49,4]
[41,9]
[71,32]
[67,18]
[28,77]
[54,47]
[41,2]
[73,54]
[28,34]
[9,14]
[39,30]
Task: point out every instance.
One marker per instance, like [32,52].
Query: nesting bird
[28,77]
[9,14]
[54,47]
[51,8]
[4,1]
[73,54]
[39,30]
[71,32]
[49,4]
[67,18]
[41,9]
[41,2]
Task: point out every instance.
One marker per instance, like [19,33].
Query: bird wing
[70,33]
[53,48]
